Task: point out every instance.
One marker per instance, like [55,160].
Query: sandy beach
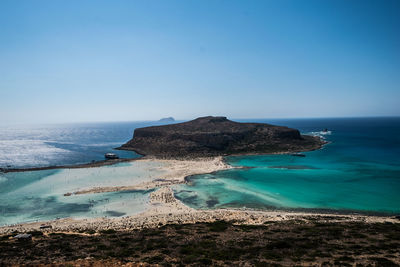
[174,212]
[164,172]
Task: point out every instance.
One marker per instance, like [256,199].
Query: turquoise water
[39,195]
[359,170]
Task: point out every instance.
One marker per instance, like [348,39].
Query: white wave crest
[321,134]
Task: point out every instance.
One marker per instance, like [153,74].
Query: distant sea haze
[359,170]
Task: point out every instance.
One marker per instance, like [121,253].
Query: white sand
[165,173]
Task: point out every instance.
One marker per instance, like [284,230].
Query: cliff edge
[214,136]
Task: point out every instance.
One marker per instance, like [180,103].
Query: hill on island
[169,119]
[214,136]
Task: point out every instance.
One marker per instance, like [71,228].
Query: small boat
[297,155]
[111,156]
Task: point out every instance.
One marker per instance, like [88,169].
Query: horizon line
[182,120]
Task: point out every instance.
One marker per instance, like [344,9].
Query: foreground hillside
[285,243]
[214,136]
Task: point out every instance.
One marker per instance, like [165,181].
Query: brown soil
[284,243]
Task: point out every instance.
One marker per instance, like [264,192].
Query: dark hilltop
[215,136]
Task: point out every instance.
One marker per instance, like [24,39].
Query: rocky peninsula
[218,136]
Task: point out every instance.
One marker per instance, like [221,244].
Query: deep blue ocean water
[359,170]
[64,144]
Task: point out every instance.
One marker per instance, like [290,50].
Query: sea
[358,171]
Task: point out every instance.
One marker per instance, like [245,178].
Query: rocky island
[218,136]
[168,119]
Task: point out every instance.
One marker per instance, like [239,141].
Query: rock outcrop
[213,136]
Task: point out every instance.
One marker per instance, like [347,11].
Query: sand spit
[172,172]
[94,164]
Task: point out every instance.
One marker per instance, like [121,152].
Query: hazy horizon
[104,61]
[41,124]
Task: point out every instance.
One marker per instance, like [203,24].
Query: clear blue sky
[71,61]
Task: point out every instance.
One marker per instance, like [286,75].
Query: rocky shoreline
[217,136]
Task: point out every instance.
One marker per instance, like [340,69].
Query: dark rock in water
[212,136]
[111,156]
[212,202]
[169,119]
[293,167]
[298,155]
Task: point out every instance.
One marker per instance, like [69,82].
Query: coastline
[165,208]
[159,216]
[109,162]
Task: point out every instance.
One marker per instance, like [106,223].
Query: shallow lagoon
[39,195]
